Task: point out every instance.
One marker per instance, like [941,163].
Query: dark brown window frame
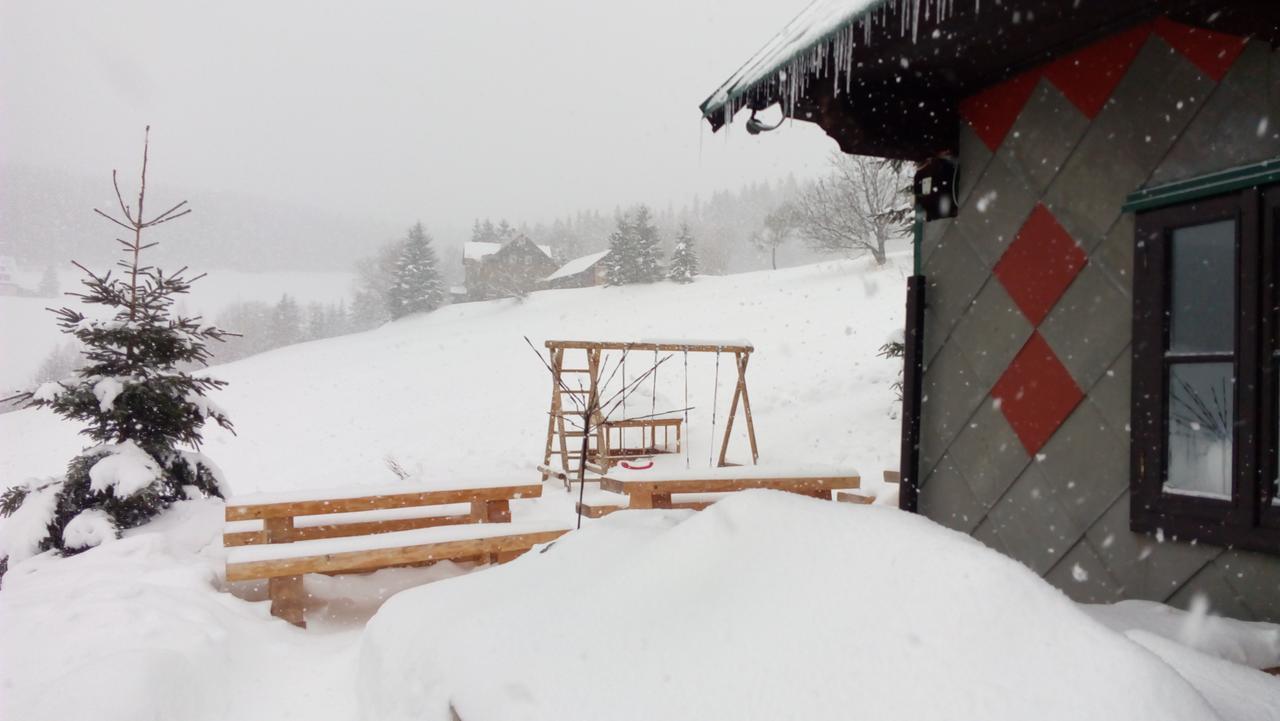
[1246,520]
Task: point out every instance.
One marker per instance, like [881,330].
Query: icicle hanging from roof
[821,39]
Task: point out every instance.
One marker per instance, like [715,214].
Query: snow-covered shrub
[136,401]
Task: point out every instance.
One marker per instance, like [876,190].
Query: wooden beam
[289,509]
[669,347]
[387,557]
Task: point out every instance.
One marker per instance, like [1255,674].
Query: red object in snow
[631,467]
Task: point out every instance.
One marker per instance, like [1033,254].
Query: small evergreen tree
[647,266]
[417,287]
[684,259]
[142,410]
[634,250]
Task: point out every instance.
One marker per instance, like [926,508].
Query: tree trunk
[773,257]
[878,251]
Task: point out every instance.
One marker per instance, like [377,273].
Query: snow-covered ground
[768,606]
[459,394]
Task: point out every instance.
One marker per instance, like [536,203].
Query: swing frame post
[740,393]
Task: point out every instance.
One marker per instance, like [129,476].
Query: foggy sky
[442,111]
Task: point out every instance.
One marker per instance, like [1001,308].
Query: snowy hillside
[30,333]
[458,394]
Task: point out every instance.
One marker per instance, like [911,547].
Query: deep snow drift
[765,606]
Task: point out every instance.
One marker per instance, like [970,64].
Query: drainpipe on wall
[912,374]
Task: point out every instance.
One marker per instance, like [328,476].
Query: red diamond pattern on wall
[1036,393]
[1039,264]
[1212,52]
[1088,76]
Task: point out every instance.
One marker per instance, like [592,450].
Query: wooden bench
[357,532]
[655,491]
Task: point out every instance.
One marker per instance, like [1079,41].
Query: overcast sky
[442,111]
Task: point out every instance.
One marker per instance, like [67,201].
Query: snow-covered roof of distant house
[577,265]
[475,250]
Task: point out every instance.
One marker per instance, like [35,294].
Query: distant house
[581,272]
[1091,329]
[500,270]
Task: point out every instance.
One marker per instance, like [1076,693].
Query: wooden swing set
[607,443]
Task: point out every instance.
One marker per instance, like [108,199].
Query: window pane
[1201,412]
[1203,288]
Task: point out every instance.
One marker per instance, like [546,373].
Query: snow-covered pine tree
[684,259]
[417,287]
[145,413]
[621,257]
[648,248]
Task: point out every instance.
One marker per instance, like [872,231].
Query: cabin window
[1206,370]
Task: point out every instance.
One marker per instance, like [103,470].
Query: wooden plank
[669,347]
[847,497]
[387,557]
[602,510]
[892,477]
[597,511]
[644,423]
[318,507]
[728,485]
[342,530]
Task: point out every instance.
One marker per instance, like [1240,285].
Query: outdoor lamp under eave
[755,127]
[935,187]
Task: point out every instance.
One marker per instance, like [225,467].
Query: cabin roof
[884,77]
[578,265]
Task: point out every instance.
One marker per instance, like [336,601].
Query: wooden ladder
[564,422]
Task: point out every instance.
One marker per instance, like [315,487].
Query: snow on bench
[328,555]
[653,487]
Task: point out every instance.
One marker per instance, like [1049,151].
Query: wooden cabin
[1093,326]
[501,270]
